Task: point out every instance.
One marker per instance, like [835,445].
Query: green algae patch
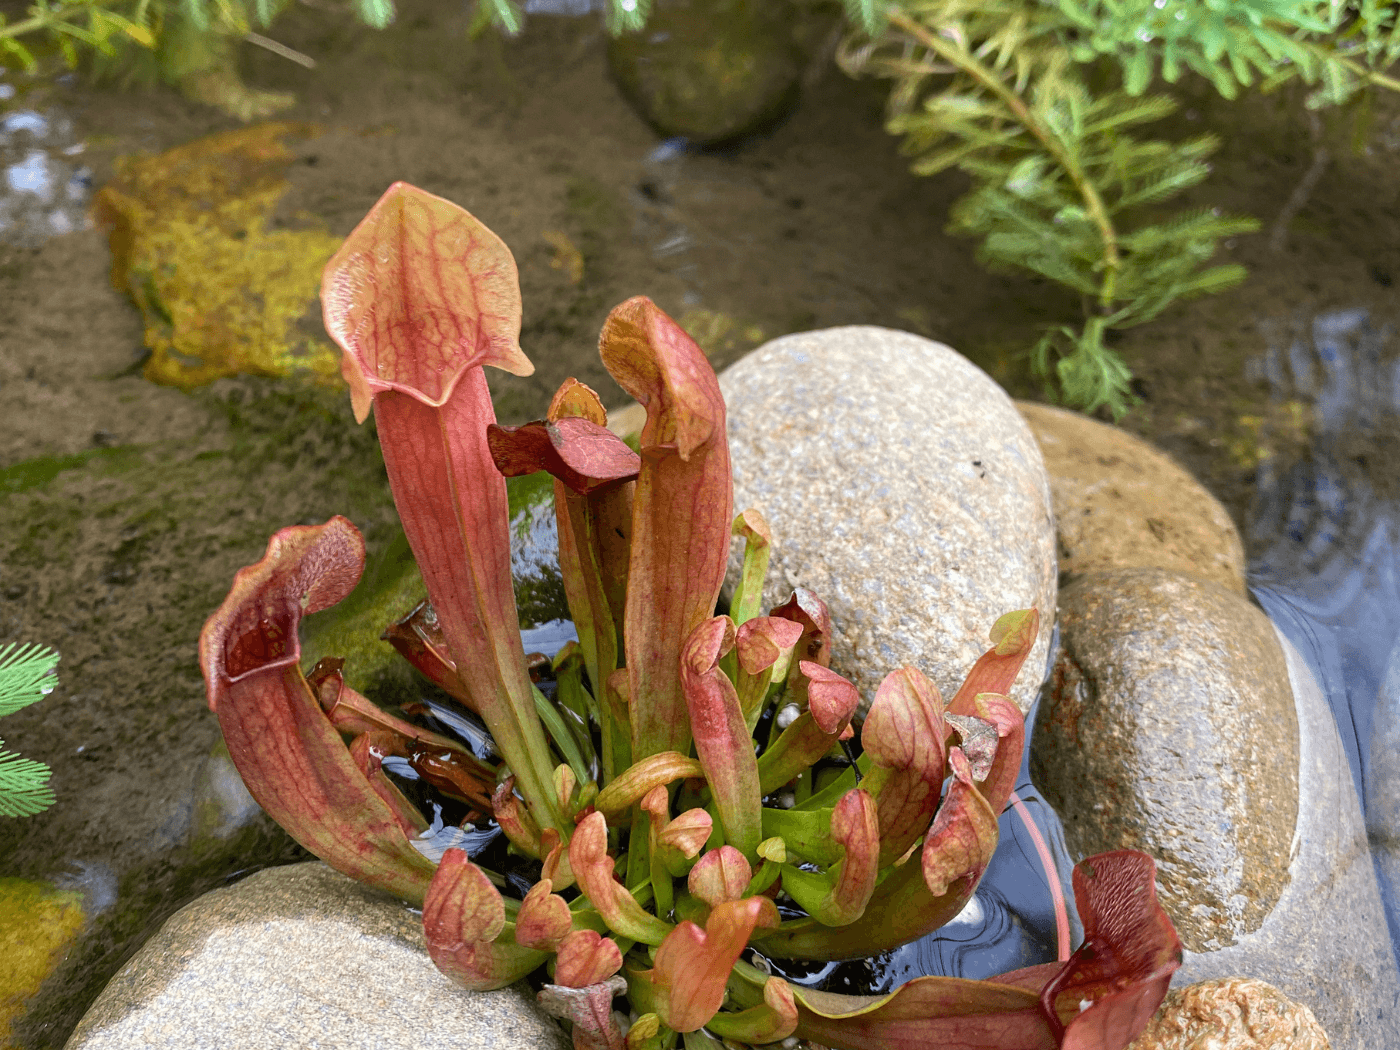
[392,585]
[389,589]
[38,924]
[720,335]
[33,473]
[220,291]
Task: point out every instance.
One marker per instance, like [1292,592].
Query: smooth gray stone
[301,956]
[1325,943]
[1169,727]
[903,487]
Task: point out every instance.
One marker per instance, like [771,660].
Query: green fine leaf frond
[1065,184]
[24,787]
[27,674]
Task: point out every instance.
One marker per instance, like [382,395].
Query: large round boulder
[302,956]
[903,487]
[1120,503]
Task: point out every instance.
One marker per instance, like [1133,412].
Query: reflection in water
[43,189]
[96,882]
[1322,537]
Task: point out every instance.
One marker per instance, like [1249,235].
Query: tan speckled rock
[904,488]
[1234,1013]
[301,957]
[1120,503]
[1170,727]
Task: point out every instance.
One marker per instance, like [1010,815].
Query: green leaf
[24,788]
[196,13]
[868,15]
[1138,72]
[505,15]
[565,735]
[27,674]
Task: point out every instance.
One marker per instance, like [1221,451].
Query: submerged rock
[221,289]
[710,70]
[1120,503]
[1233,1013]
[1170,727]
[302,956]
[903,487]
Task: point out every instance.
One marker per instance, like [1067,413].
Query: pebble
[1233,1013]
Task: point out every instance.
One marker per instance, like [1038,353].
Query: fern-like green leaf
[27,674]
[1062,180]
[1112,115]
[24,786]
[868,15]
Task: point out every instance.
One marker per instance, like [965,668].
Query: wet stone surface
[302,956]
[903,488]
[1324,943]
[1120,503]
[1383,805]
[1170,727]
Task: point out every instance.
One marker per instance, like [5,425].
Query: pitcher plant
[691,796]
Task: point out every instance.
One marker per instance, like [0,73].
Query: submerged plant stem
[1088,192]
[1052,879]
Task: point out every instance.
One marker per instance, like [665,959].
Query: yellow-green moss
[718,333]
[37,926]
[220,292]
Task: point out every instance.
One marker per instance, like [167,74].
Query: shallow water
[1324,541]
[44,186]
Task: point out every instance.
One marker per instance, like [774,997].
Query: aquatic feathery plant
[1040,103]
[649,791]
[27,675]
[103,25]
